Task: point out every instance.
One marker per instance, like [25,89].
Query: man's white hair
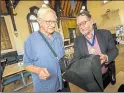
[44,10]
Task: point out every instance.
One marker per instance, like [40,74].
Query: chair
[107,78]
[25,73]
[121,88]
[10,79]
[8,54]
[11,57]
[11,60]
[111,67]
[3,62]
[12,53]
[114,37]
[20,58]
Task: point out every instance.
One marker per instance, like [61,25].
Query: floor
[111,88]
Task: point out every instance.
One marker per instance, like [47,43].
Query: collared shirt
[36,52]
[97,51]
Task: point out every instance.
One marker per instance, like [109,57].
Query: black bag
[81,73]
[64,62]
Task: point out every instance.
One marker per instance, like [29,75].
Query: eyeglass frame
[49,21]
[82,23]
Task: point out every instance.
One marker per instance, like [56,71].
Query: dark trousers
[66,87]
[108,75]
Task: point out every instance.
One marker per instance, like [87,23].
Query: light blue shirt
[37,53]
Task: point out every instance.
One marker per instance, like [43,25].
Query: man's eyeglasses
[49,22]
[82,23]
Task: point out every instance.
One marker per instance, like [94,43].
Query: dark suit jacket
[107,46]
[105,41]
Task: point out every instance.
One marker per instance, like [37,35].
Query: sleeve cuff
[106,62]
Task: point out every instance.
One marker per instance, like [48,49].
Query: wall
[10,32]
[68,23]
[22,10]
[21,22]
[97,9]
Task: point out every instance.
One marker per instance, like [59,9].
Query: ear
[38,20]
[92,21]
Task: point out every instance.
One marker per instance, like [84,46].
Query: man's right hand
[102,61]
[43,73]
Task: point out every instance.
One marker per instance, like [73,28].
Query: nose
[82,27]
[53,24]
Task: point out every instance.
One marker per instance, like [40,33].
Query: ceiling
[63,8]
[5,6]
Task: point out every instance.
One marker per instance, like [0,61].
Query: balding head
[47,19]
[43,11]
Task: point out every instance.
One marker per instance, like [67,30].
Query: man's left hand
[103,57]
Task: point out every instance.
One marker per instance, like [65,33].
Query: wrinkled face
[49,22]
[84,24]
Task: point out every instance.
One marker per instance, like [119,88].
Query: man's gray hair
[43,11]
[84,13]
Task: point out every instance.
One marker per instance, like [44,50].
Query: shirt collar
[53,36]
[92,34]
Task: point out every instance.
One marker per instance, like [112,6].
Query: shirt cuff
[106,62]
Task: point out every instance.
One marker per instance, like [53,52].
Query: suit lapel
[83,43]
[100,41]
[83,46]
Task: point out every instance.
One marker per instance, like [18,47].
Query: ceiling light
[83,7]
[46,1]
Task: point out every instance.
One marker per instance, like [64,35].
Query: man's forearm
[32,68]
[112,55]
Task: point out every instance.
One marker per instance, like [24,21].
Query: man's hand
[43,73]
[102,61]
[103,58]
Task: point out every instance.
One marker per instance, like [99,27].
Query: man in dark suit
[91,41]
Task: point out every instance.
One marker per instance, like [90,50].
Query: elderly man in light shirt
[38,58]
